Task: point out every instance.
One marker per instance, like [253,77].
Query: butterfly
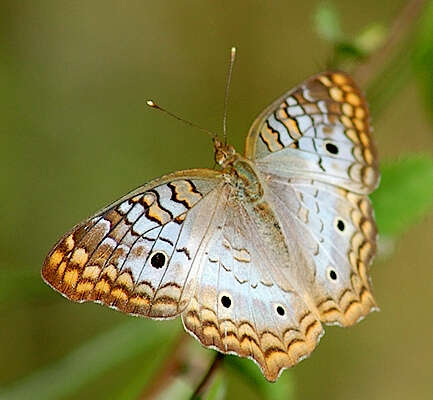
[257,255]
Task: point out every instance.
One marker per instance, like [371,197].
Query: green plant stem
[202,386]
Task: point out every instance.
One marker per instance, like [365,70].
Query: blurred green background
[75,135]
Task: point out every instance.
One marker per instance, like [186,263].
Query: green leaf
[423,59]
[92,360]
[327,22]
[346,50]
[133,388]
[250,373]
[178,389]
[370,38]
[218,388]
[405,193]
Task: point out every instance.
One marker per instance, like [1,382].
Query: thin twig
[202,386]
[403,23]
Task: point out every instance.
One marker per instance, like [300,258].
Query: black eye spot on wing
[341,226]
[226,302]
[280,310]
[332,275]
[158,260]
[331,148]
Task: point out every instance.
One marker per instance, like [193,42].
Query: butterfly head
[224,153]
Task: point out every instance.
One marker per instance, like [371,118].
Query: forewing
[318,130]
[244,304]
[139,254]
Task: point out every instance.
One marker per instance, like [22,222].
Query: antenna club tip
[150,103]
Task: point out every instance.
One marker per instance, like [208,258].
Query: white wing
[139,254]
[244,303]
[314,150]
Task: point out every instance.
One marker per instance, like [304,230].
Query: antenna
[226,96]
[152,104]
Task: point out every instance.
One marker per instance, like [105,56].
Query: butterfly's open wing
[244,304]
[139,254]
[314,150]
[319,130]
[336,233]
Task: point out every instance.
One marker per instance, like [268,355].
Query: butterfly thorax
[242,177]
[239,173]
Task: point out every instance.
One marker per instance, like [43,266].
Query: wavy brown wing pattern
[319,130]
[138,255]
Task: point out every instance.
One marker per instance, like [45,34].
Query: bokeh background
[75,135]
